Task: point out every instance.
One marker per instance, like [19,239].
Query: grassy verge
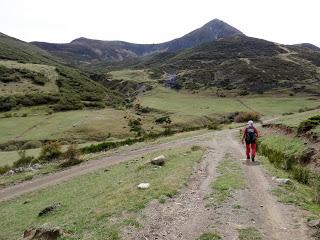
[6,180]
[230,179]
[249,234]
[283,151]
[301,195]
[294,120]
[92,206]
[10,157]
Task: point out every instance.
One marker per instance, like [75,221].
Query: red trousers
[253,150]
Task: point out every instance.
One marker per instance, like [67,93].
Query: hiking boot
[252,159]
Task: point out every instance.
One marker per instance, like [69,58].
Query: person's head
[250,123]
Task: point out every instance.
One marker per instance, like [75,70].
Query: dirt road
[186,216]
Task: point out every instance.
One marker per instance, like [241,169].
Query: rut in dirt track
[186,216]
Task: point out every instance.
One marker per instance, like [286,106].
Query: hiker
[250,135]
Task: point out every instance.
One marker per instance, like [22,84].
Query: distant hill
[308,45]
[241,63]
[97,51]
[15,49]
[31,76]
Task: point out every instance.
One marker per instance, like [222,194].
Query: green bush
[301,174]
[316,189]
[136,126]
[213,126]
[246,116]
[24,160]
[7,115]
[71,156]
[50,152]
[72,153]
[309,124]
[195,148]
[163,119]
[4,169]
[105,146]
[31,145]
[68,102]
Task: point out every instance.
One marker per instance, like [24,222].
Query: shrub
[4,169]
[244,93]
[24,160]
[50,151]
[195,148]
[11,147]
[316,190]
[246,116]
[301,174]
[71,156]
[213,126]
[309,124]
[163,119]
[136,126]
[105,146]
[24,115]
[72,153]
[7,115]
[31,144]
[287,113]
[68,102]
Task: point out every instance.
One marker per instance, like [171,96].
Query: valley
[83,122]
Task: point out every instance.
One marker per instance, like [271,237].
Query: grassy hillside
[19,78]
[244,64]
[30,76]
[14,49]
[186,103]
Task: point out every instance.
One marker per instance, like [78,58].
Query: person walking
[250,135]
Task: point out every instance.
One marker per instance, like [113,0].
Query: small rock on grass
[159,161]
[282,181]
[49,209]
[144,185]
[42,233]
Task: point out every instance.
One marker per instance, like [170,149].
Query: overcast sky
[154,21]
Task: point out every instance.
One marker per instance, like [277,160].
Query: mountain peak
[79,40]
[224,28]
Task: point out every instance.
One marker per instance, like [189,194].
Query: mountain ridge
[92,51]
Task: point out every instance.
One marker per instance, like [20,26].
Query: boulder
[11,172]
[144,185]
[159,161]
[282,181]
[36,166]
[314,223]
[42,234]
[49,209]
